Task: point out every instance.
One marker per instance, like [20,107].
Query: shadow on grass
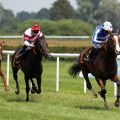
[87,107]
[21,99]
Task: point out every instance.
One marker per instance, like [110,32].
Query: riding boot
[21,54]
[92,52]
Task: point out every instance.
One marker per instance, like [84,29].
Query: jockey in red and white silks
[32,34]
[29,37]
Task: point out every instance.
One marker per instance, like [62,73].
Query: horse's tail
[75,69]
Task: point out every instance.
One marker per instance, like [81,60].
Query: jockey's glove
[31,45]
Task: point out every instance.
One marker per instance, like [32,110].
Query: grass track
[69,104]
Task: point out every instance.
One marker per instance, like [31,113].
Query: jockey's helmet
[107,26]
[35,28]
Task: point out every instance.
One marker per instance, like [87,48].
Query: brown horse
[103,67]
[1,71]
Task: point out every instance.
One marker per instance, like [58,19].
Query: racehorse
[1,71]
[103,67]
[31,66]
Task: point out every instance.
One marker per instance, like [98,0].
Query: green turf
[70,103]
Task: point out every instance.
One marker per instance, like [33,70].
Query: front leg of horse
[117,102]
[27,88]
[103,95]
[39,85]
[89,86]
[34,88]
[17,91]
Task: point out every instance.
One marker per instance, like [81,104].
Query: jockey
[29,36]
[100,35]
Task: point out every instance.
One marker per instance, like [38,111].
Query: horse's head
[42,47]
[113,43]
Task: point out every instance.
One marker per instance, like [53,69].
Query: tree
[23,16]
[111,12]
[43,14]
[97,11]
[61,9]
[1,11]
[87,9]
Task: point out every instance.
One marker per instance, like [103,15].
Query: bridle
[40,47]
[112,42]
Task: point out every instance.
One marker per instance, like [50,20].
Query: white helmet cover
[107,26]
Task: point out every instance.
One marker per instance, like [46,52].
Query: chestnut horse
[1,71]
[103,67]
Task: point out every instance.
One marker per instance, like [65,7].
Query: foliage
[43,14]
[60,27]
[97,11]
[23,16]
[68,21]
[61,9]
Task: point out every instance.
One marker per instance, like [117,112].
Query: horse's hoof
[95,96]
[39,91]
[116,104]
[27,100]
[6,89]
[107,107]
[17,92]
[32,91]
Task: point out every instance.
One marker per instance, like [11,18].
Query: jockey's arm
[28,44]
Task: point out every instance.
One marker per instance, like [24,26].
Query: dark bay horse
[103,67]
[31,66]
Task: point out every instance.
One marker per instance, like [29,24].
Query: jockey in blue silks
[101,33]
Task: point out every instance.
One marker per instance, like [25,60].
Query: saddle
[85,54]
[20,55]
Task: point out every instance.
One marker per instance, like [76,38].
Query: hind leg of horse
[89,86]
[39,85]
[103,91]
[34,88]
[15,71]
[3,78]
[27,88]
[116,79]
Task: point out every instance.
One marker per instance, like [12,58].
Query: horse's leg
[33,89]
[3,78]
[39,84]
[103,91]
[15,71]
[27,88]
[117,102]
[116,79]
[89,86]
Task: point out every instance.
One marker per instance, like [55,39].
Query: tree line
[62,18]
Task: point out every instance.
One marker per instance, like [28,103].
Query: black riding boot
[92,52]
[21,54]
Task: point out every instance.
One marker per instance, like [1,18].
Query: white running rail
[57,55]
